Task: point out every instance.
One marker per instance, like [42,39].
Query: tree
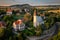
[2,30]
[38,30]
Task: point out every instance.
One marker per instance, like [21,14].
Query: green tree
[38,30]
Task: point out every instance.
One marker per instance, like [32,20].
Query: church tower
[34,18]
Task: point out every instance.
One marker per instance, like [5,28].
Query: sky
[31,2]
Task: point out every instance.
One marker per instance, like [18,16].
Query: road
[47,33]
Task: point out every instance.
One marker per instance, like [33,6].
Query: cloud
[31,2]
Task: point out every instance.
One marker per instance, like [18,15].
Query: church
[37,20]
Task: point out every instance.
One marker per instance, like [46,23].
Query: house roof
[9,10]
[2,23]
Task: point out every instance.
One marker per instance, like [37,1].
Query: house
[18,25]
[9,11]
[2,24]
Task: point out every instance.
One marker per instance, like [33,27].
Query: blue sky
[31,2]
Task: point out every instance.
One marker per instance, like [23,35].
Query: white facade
[18,27]
[9,13]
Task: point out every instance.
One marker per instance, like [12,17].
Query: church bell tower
[34,18]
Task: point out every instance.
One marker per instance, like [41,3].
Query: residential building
[18,25]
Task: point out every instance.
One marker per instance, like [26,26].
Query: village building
[9,11]
[2,24]
[37,20]
[18,25]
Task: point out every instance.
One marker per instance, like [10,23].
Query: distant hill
[29,7]
[21,6]
[48,6]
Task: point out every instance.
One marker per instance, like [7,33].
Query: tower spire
[34,13]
